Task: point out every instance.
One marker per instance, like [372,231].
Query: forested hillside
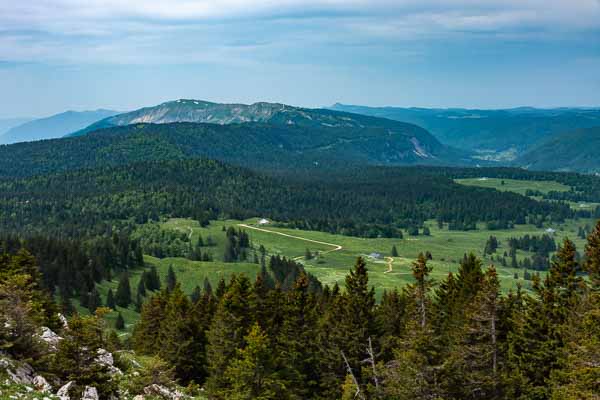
[369,202]
[255,145]
[573,150]
[458,338]
[497,130]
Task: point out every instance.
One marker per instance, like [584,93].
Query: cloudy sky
[74,54]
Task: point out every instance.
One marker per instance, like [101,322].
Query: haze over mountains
[55,126]
[274,134]
[261,135]
[501,135]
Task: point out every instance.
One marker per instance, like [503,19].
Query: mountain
[575,150]
[9,123]
[53,127]
[500,135]
[395,142]
[347,140]
[183,110]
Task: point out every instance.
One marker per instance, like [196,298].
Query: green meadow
[336,254]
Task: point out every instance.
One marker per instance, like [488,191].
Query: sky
[57,55]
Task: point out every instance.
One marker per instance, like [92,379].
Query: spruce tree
[251,374]
[207,286]
[110,299]
[141,288]
[120,322]
[394,251]
[94,300]
[171,279]
[592,253]
[123,295]
[537,338]
[146,331]
[196,294]
[476,358]
[181,338]
[230,324]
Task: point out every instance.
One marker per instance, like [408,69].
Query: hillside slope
[299,138]
[498,134]
[349,126]
[54,126]
[569,151]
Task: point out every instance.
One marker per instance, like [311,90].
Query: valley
[334,254]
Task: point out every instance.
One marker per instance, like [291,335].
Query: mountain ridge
[570,151]
[502,134]
[54,126]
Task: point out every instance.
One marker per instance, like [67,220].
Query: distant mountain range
[55,126]
[575,150]
[273,135]
[500,135]
[9,123]
[261,135]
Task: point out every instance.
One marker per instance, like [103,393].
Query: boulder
[106,359]
[18,372]
[90,393]
[50,338]
[63,320]
[163,392]
[63,392]
[41,384]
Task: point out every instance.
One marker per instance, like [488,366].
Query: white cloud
[130,31]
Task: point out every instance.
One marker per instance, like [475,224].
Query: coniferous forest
[283,335]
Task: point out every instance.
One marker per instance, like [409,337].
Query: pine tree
[592,253]
[120,322]
[181,338]
[152,281]
[251,374]
[295,344]
[146,331]
[476,355]
[307,254]
[420,272]
[394,251]
[123,295]
[141,288]
[537,338]
[171,279]
[196,294]
[207,286]
[94,300]
[110,300]
[226,334]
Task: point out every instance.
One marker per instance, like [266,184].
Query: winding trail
[336,247]
[390,261]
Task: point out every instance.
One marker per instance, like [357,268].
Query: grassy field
[521,187]
[447,248]
[514,185]
[337,253]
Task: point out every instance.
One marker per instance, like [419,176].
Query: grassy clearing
[514,185]
[447,248]
[521,187]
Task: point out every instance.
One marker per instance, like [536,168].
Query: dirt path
[336,247]
[390,261]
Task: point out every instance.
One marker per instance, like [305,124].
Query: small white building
[263,221]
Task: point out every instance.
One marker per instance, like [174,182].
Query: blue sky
[72,54]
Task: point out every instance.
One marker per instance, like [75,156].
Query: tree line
[379,202]
[459,338]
